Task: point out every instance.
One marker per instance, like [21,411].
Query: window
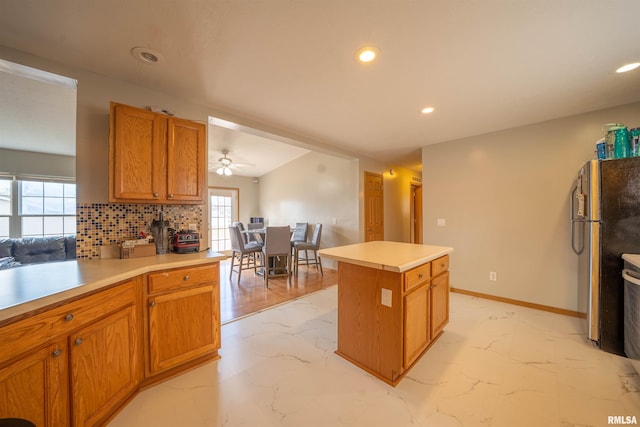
[36,208]
[223,207]
[5,207]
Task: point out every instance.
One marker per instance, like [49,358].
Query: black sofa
[30,250]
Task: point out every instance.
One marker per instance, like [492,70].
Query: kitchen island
[393,303]
[79,339]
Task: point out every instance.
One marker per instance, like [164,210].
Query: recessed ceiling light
[628,67]
[427,110]
[146,55]
[366,54]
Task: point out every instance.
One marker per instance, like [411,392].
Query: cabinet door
[439,303]
[137,154]
[104,366]
[183,325]
[35,387]
[416,323]
[186,160]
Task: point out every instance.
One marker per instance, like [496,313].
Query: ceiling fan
[225,164]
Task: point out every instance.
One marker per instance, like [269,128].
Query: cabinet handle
[56,353]
[434,286]
[68,317]
[185,278]
[78,341]
[156,194]
[171,196]
[152,304]
[420,276]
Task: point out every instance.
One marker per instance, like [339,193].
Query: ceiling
[484,65]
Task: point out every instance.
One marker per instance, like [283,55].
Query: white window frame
[16,217]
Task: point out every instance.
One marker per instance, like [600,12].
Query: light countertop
[31,287]
[382,255]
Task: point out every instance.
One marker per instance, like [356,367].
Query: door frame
[415,212]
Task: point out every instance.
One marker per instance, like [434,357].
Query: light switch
[386,297]
[442,222]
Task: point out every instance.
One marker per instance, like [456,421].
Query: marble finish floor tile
[496,365]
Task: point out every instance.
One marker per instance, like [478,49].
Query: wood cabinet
[77,363]
[417,323]
[104,366]
[386,319]
[183,317]
[73,364]
[154,158]
[35,387]
[426,309]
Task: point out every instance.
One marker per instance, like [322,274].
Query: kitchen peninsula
[393,303]
[78,339]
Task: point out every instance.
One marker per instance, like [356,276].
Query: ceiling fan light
[219,171]
[227,171]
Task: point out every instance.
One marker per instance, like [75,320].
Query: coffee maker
[160,232]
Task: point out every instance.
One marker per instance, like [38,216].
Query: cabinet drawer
[181,277]
[440,265]
[27,334]
[417,276]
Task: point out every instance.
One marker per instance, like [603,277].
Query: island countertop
[383,255]
[27,288]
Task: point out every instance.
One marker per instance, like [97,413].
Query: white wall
[505,198]
[315,188]
[17,162]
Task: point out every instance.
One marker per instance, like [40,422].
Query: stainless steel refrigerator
[605,223]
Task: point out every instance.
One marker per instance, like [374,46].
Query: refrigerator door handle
[573,221]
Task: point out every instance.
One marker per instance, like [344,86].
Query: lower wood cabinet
[183,316]
[35,387]
[77,364]
[439,303]
[417,323]
[387,320]
[104,366]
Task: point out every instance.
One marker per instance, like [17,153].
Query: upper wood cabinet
[154,158]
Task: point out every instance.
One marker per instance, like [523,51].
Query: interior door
[374,207]
[416,213]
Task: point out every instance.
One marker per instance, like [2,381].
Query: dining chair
[276,253]
[299,234]
[247,253]
[255,237]
[314,246]
[241,227]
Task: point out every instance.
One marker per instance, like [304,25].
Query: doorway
[415,210]
[223,210]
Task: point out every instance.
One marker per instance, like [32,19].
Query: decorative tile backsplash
[101,224]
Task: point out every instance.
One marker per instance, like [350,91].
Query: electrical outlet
[193,227]
[493,276]
[386,297]
[441,222]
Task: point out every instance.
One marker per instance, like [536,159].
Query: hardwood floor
[250,295]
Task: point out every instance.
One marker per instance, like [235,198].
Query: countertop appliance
[186,241]
[160,232]
[605,223]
